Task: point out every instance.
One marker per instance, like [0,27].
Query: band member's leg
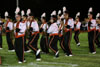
[67,39]
[33,45]
[91,41]
[62,44]
[53,45]
[19,48]
[76,37]
[9,41]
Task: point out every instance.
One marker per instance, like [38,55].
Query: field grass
[81,58]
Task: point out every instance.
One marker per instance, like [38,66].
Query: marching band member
[53,32]
[77,26]
[97,30]
[61,32]
[91,31]
[9,28]
[68,26]
[43,31]
[34,36]
[20,28]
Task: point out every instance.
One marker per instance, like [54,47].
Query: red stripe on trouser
[50,45]
[31,43]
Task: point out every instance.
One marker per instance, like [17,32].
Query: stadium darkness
[40,6]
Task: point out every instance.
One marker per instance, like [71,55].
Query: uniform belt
[20,36]
[54,34]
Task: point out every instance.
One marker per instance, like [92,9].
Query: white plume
[28,11]
[53,13]
[78,14]
[17,10]
[59,12]
[64,9]
[6,14]
[98,14]
[90,9]
[43,15]
[22,13]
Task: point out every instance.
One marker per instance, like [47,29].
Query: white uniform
[10,25]
[35,27]
[70,22]
[78,25]
[53,29]
[93,25]
[22,27]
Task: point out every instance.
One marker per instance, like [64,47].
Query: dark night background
[40,6]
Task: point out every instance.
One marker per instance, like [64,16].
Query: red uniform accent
[54,34]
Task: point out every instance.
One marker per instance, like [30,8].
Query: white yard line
[45,64]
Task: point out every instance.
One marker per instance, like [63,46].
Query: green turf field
[81,58]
